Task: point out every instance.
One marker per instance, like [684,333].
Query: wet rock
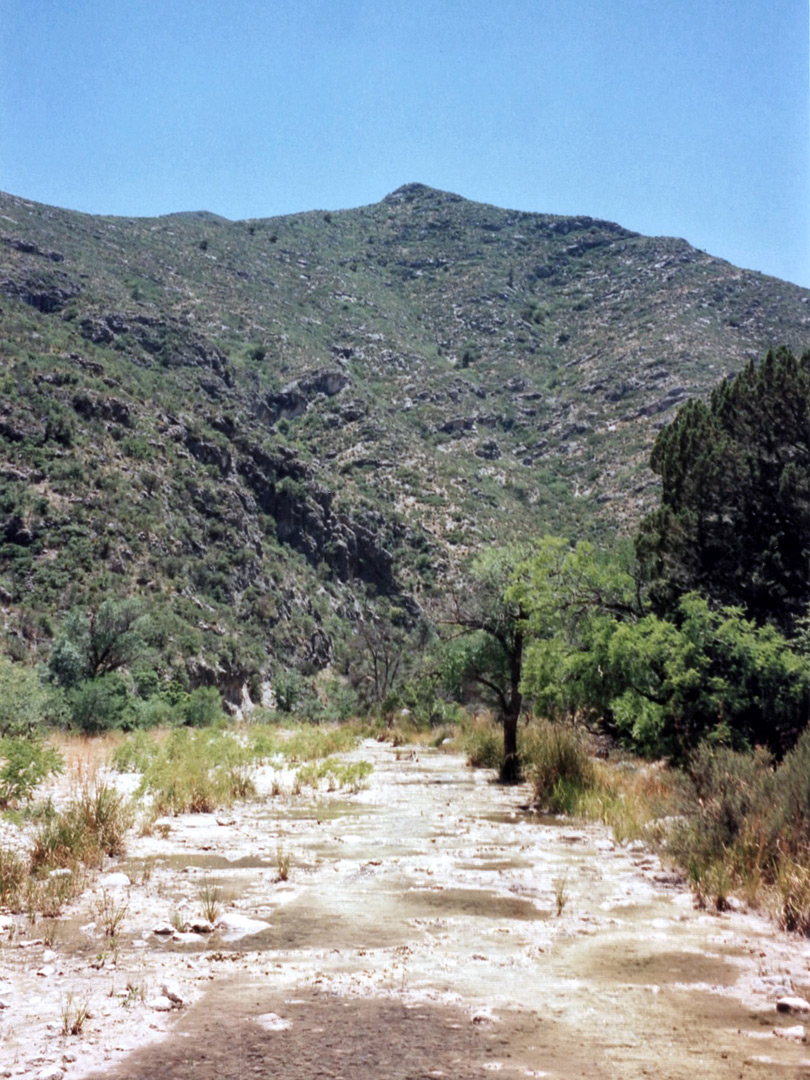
[792,1005]
[50,1072]
[792,1034]
[172,992]
[778,986]
[273,1022]
[236,925]
[201,926]
[114,881]
[160,1004]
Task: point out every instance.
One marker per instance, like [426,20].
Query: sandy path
[417,936]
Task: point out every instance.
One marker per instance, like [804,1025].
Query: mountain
[255,424]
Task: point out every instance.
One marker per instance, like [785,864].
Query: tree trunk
[510,770]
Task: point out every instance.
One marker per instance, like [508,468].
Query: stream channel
[430,926]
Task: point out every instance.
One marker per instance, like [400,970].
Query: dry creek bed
[416,936]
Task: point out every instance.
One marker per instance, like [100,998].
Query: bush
[203,707]
[24,702]
[101,704]
[790,814]
[725,804]
[288,689]
[25,764]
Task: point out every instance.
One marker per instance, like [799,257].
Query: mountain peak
[411,192]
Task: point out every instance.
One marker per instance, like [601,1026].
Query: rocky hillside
[255,424]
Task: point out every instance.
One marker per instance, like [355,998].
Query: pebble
[46,971]
[792,1004]
[163,928]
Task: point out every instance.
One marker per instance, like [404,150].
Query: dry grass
[86,756]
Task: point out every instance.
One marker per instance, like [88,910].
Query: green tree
[101,704]
[380,655]
[95,643]
[487,621]
[734,518]
[574,597]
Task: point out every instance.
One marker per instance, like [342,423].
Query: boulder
[793,1005]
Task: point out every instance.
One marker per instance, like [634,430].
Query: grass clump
[135,753]
[311,744]
[556,762]
[110,913]
[74,1015]
[351,775]
[483,744]
[13,876]
[195,771]
[89,828]
[210,897]
[283,863]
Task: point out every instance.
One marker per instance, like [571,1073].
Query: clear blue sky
[673,117]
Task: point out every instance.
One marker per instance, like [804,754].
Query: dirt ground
[417,935]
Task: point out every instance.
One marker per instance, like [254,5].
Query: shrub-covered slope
[250,424]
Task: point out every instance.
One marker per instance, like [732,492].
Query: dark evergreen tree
[734,519]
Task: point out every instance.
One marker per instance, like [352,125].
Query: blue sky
[673,117]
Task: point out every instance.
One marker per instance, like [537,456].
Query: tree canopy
[734,518]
